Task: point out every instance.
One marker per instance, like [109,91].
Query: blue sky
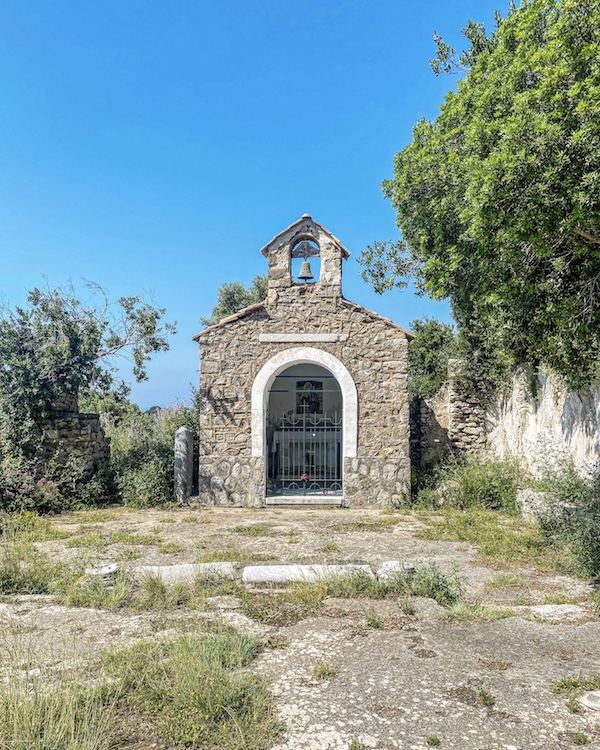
[157,146]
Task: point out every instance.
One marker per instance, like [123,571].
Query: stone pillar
[184,463]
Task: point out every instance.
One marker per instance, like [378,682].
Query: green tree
[235,296]
[498,199]
[58,345]
[428,354]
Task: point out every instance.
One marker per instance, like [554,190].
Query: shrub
[471,482]
[578,527]
[20,490]
[193,690]
[142,454]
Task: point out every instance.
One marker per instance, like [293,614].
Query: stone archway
[297,356]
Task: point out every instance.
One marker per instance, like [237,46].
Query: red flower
[303,477]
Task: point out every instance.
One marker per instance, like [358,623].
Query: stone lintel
[302,338]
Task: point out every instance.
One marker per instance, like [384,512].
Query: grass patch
[193,690]
[486,698]
[55,713]
[474,612]
[25,569]
[579,683]
[324,670]
[330,548]
[170,548]
[385,523]
[98,540]
[254,531]
[372,618]
[232,554]
[579,738]
[500,538]
[506,581]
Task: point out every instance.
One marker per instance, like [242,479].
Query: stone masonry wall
[373,350]
[72,434]
[466,414]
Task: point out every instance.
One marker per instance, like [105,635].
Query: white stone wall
[552,424]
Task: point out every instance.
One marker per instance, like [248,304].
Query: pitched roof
[262,305]
[230,318]
[306,217]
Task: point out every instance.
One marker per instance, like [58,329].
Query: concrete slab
[391,568]
[187,572]
[255,574]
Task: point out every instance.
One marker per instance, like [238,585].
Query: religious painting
[309,396]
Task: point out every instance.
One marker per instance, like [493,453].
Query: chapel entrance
[304,433]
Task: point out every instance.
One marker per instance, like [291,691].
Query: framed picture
[309,396]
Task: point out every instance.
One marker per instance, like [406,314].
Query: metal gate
[305,455]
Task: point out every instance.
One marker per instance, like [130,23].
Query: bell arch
[296,356]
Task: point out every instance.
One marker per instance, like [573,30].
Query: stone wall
[537,421]
[466,412]
[372,349]
[69,433]
[542,421]
[429,428]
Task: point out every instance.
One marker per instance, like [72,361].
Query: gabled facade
[304,396]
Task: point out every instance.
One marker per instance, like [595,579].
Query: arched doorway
[328,408]
[304,433]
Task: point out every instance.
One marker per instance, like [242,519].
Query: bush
[142,454]
[20,490]
[573,514]
[473,483]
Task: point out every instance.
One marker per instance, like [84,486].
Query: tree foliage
[235,296]
[498,199]
[428,354]
[59,345]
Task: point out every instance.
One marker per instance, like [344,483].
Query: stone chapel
[304,397]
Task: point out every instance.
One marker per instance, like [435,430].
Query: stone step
[308,500]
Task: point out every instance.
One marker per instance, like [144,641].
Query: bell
[305,273]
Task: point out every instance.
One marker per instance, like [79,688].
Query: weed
[579,738]
[231,554]
[356,744]
[277,641]
[497,664]
[372,618]
[82,591]
[486,697]
[576,684]
[433,740]
[574,707]
[383,523]
[128,553]
[330,548]
[69,716]
[476,483]
[170,548]
[506,580]
[499,537]
[287,608]
[168,519]
[193,691]
[407,607]
[24,569]
[474,612]
[255,530]
[324,670]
